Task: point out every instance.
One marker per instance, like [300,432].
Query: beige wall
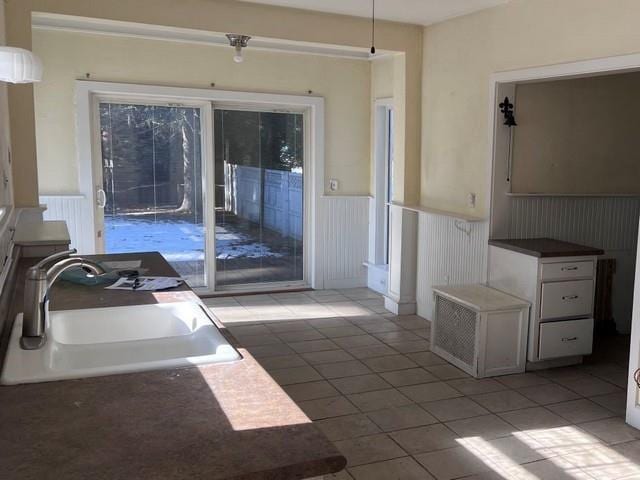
[388,81]
[68,56]
[221,16]
[6,195]
[382,77]
[461,54]
[578,136]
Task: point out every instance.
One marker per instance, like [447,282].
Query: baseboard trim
[554,363]
[357,282]
[399,308]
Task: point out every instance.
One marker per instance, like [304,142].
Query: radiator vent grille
[455,331]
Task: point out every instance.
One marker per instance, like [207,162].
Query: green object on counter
[79,276]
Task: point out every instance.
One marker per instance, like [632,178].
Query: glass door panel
[259,197]
[152,180]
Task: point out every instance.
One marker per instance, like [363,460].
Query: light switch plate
[471,200]
[333,185]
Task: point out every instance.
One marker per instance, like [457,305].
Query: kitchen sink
[105,341]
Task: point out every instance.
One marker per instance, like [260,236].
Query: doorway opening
[585,196]
[379,234]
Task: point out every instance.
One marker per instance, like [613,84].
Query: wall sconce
[506,107]
[19,66]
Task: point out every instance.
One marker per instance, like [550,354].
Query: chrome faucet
[39,280]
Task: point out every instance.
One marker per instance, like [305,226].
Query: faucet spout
[39,280]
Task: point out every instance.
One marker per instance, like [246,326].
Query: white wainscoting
[343,220]
[609,223]
[450,251]
[345,225]
[71,209]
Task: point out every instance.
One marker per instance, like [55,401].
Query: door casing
[503,83]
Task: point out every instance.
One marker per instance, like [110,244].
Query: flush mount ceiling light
[19,66]
[238,42]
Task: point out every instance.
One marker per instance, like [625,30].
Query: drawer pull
[568,269]
[570,297]
[569,339]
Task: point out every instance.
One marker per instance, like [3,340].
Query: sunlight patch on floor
[494,459]
[571,445]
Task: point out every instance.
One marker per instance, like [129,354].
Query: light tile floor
[398,411]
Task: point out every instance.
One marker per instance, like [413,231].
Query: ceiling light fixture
[18,65]
[238,41]
[373,27]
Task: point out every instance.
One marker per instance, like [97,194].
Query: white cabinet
[480,330]
[561,290]
[566,270]
[567,338]
[566,299]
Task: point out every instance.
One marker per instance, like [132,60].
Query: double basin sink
[105,341]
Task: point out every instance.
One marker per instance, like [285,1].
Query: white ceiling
[422,12]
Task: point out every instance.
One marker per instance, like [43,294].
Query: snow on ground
[178,240]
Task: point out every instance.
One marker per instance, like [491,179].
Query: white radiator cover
[480,330]
[455,331]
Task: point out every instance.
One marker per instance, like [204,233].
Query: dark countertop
[223,421]
[545,247]
[72,296]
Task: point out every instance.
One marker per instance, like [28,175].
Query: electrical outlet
[333,185]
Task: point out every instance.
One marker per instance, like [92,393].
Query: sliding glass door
[151,195]
[217,190]
[259,196]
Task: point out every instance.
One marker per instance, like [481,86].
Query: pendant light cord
[373,27]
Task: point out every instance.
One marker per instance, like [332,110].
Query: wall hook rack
[463,226]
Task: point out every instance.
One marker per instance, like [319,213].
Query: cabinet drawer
[563,339]
[566,299]
[567,270]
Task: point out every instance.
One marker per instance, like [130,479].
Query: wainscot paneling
[345,225]
[450,251]
[71,209]
[609,223]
